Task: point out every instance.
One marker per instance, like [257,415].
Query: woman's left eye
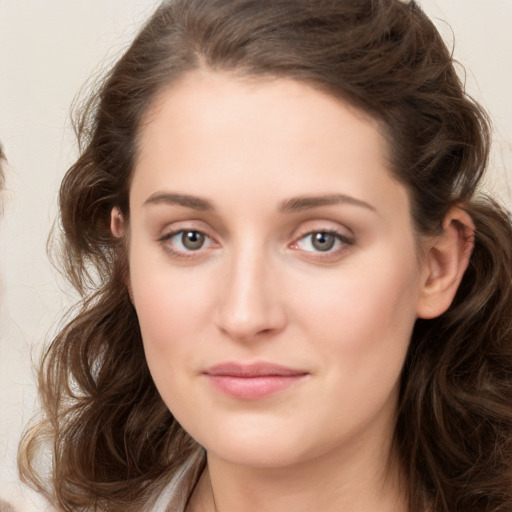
[321,241]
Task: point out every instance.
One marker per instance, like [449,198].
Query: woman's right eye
[186,241]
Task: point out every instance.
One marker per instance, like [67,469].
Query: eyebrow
[193,202]
[308,202]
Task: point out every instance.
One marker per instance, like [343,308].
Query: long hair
[113,442]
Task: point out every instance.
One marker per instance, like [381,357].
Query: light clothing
[175,495]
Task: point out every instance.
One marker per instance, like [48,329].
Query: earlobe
[116,222]
[446,260]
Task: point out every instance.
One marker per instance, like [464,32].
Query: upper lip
[244,370]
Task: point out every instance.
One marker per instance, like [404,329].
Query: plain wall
[48,49]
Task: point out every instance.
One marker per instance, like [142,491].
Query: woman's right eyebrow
[188,201]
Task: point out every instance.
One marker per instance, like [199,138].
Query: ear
[446,260]
[117,227]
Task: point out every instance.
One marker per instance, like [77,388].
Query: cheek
[361,326]
[168,306]
[171,312]
[171,304]
[363,314]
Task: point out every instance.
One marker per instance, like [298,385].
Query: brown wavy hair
[112,441]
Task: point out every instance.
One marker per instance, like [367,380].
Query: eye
[322,241]
[186,241]
[191,240]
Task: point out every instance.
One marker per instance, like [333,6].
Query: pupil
[192,240]
[323,241]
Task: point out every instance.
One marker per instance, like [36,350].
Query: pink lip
[252,381]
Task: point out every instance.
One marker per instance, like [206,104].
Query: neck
[352,481]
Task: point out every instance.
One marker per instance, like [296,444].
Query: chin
[256,444]
[265,455]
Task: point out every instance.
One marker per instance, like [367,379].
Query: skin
[244,163]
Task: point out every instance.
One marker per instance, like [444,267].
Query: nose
[251,305]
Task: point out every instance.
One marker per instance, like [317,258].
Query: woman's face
[273,267]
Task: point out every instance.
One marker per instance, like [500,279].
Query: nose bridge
[250,302]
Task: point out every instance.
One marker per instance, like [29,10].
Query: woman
[294,299]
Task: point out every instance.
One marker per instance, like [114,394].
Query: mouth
[252,381]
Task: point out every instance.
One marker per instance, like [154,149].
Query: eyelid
[324,226]
[171,228]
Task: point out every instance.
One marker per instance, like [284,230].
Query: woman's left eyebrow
[300,203]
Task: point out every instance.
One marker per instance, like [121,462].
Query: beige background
[48,49]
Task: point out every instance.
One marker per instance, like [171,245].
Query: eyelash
[342,241]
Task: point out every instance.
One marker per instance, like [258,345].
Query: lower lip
[253,388]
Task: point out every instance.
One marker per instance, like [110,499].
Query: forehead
[217,132]
[202,94]
[203,88]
